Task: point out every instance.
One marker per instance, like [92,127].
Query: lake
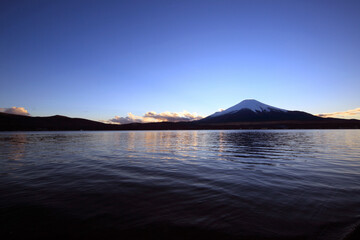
[241,184]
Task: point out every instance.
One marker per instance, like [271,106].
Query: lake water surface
[261,184]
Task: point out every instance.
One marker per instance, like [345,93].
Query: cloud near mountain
[353,113]
[156,117]
[15,110]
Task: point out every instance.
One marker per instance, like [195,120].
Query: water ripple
[245,184]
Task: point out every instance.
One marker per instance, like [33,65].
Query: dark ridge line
[11,122]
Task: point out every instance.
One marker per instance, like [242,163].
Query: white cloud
[353,113]
[173,116]
[156,117]
[15,110]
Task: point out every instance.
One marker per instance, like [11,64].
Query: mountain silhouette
[251,110]
[248,114]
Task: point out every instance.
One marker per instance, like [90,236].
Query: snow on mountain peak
[250,104]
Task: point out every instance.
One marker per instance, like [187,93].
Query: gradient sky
[99,59]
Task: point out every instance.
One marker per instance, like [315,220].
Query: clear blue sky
[98,59]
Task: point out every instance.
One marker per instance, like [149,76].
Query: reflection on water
[17,146]
[13,151]
[245,184]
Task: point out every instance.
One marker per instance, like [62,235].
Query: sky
[126,60]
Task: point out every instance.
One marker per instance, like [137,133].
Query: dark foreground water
[180,184]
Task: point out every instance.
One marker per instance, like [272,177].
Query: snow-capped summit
[250,104]
[251,110]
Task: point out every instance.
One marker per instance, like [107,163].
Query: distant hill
[9,122]
[248,114]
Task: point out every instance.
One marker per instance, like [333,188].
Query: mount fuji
[251,110]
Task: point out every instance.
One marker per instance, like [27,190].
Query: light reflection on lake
[249,184]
